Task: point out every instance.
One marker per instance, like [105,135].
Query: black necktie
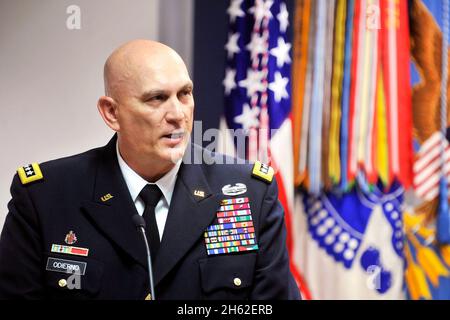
[151,194]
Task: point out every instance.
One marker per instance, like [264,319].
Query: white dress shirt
[136,183]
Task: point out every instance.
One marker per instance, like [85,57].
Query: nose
[175,112]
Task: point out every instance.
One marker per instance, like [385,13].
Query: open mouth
[174,138]
[174,135]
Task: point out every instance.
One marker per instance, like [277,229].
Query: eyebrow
[189,86]
[155,92]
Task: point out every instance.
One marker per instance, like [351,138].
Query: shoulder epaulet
[30,173]
[263,172]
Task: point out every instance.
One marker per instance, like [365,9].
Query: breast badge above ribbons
[71,238]
[237,189]
[234,231]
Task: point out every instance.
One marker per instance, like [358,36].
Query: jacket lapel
[113,216]
[189,215]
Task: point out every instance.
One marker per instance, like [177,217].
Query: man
[215,231]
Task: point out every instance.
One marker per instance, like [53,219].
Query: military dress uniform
[69,234]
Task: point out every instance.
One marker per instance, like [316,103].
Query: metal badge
[70,238]
[199,193]
[106,197]
[237,189]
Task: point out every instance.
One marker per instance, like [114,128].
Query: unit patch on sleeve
[30,173]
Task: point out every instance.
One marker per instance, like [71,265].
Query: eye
[158,97]
[186,92]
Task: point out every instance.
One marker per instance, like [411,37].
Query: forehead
[161,74]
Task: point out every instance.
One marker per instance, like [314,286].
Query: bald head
[149,102]
[125,67]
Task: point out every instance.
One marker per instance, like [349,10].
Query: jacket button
[62,283]
[237,282]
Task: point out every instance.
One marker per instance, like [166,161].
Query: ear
[107,107]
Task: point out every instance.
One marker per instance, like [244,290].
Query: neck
[150,169]
[153,175]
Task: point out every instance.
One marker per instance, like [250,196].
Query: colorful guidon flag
[352,112]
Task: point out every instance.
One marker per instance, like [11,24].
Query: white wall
[51,77]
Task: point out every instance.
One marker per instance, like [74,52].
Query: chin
[173,154]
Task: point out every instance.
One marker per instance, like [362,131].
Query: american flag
[258,95]
[428,166]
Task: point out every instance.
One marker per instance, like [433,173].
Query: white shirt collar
[135,182]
